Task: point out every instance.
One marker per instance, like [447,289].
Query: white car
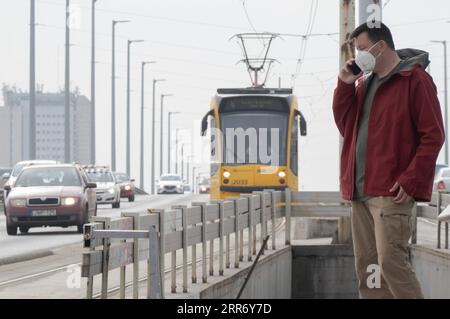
[108,190]
[170,183]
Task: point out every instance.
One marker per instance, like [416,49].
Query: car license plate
[43,212]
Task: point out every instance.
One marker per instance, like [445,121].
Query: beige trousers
[381,231]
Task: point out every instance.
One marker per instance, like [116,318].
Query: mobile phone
[354,68]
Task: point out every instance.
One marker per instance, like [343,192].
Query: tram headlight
[226,174]
[281,174]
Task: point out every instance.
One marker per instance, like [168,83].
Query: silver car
[108,190]
[170,183]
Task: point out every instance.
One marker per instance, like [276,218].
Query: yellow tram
[254,140]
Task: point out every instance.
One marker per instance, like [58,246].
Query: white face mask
[366,60]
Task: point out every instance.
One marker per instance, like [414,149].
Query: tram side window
[294,147]
[214,146]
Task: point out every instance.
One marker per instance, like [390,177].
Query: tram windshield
[254,130]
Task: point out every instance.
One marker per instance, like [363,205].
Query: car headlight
[19,202]
[111,190]
[281,174]
[68,201]
[127,187]
[179,186]
[226,174]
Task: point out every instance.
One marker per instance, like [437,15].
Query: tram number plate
[239,182]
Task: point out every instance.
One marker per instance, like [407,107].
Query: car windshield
[100,177]
[17,169]
[48,176]
[205,181]
[171,178]
[122,178]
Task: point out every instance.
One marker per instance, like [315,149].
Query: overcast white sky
[190,42]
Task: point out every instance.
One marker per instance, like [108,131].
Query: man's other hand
[402,197]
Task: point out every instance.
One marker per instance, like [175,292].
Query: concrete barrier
[271,279]
[432,267]
[323,272]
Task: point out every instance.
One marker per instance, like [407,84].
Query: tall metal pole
[445,101]
[153,133]
[347,51]
[176,151]
[144,63]
[128,151]
[113,99]
[444,43]
[141,180]
[182,161]
[193,178]
[32,107]
[113,94]
[169,141]
[128,109]
[188,160]
[67,89]
[93,83]
[161,134]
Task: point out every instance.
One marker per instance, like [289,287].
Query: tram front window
[254,137]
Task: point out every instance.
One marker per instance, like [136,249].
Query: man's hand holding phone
[349,73]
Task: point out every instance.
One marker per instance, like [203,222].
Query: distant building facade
[50,124]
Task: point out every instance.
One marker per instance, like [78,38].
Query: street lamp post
[153,134]
[176,151]
[161,133]
[169,141]
[129,42]
[193,178]
[144,63]
[113,94]
[444,43]
[188,160]
[93,83]
[32,123]
[67,88]
[182,161]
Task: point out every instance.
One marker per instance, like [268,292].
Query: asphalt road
[40,241]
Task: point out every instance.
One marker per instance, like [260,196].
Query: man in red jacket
[390,118]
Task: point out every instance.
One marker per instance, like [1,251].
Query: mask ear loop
[373,47]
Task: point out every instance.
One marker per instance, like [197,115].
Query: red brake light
[441,185]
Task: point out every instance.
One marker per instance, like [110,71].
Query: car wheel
[11,230]
[24,230]
[80,229]
[116,205]
[131,198]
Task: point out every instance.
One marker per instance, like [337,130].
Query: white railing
[438,208]
[185,227]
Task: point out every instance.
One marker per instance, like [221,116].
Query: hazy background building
[14,128]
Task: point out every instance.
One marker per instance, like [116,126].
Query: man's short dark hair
[376,31]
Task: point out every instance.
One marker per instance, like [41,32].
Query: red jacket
[405,134]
